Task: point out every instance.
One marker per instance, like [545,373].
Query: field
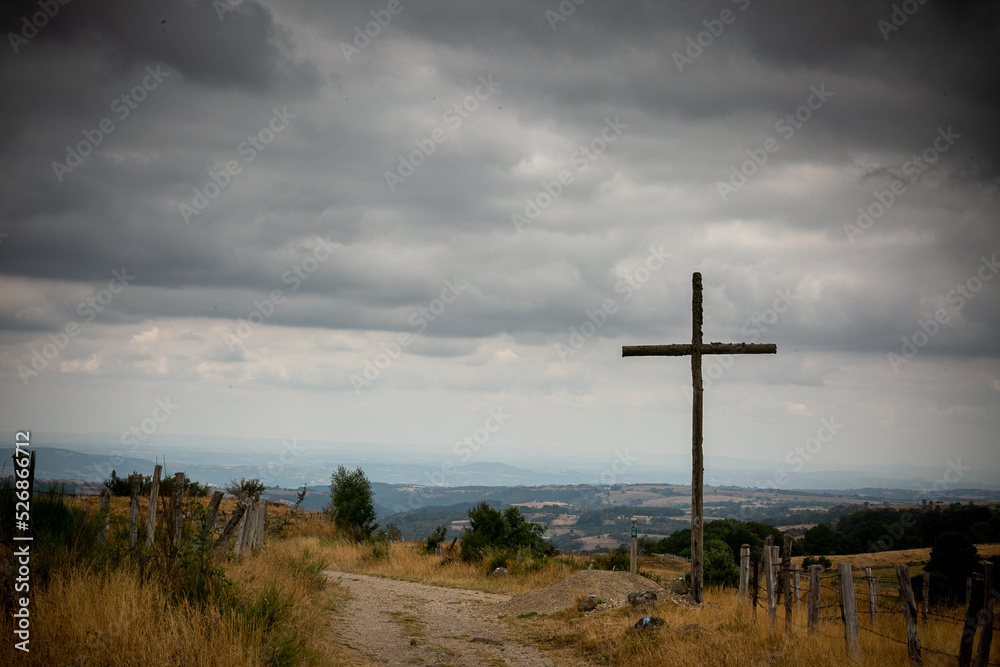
[277,608]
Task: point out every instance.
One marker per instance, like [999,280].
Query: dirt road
[399,622]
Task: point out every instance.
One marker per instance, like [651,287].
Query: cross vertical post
[697,440]
[696,349]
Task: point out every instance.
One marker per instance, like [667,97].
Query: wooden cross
[696,349]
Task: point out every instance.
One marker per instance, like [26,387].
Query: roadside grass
[408,561]
[97,602]
[725,633]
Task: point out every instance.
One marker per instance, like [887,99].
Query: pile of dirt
[612,588]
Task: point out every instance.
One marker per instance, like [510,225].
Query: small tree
[955,557]
[501,530]
[122,486]
[352,503]
[300,497]
[436,538]
[245,488]
[720,568]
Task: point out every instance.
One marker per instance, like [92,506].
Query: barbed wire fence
[892,613]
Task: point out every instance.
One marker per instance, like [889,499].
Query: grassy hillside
[108,604]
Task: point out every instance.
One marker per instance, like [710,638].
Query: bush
[955,558]
[616,559]
[720,568]
[507,530]
[122,486]
[436,538]
[352,503]
[822,560]
[245,488]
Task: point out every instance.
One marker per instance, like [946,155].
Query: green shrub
[720,568]
[502,530]
[822,560]
[436,538]
[616,559]
[352,503]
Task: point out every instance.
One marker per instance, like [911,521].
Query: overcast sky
[378,222]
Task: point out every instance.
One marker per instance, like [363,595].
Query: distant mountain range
[290,464]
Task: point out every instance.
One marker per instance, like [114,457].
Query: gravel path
[400,622]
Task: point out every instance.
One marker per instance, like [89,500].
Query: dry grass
[113,618]
[890,558]
[279,610]
[120,617]
[407,561]
[723,633]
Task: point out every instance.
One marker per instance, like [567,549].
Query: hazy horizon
[438,225]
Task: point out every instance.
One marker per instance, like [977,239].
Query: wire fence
[874,595]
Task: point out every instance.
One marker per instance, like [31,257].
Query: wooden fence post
[796,583]
[872,596]
[211,516]
[104,511]
[786,578]
[755,584]
[250,519]
[243,527]
[776,565]
[926,602]
[986,617]
[261,522]
[133,511]
[177,511]
[975,602]
[849,610]
[634,549]
[154,492]
[815,594]
[744,572]
[768,569]
[909,614]
[230,527]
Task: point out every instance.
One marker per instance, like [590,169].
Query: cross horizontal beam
[706,348]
